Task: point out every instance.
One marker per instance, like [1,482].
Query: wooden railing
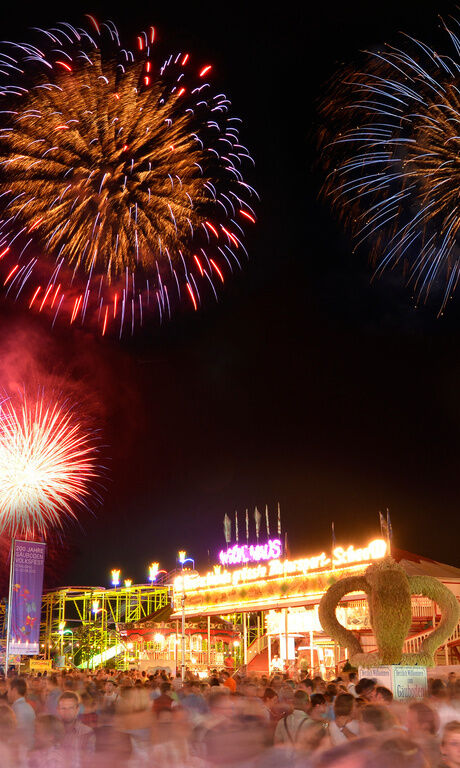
[257,646]
[412,644]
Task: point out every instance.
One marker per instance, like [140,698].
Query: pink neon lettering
[253,553]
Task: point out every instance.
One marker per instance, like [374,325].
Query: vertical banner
[26,597]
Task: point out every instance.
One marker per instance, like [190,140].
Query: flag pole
[333,542]
[389,531]
[10,605]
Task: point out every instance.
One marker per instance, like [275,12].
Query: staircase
[257,655]
[412,644]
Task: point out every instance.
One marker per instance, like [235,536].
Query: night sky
[306,384]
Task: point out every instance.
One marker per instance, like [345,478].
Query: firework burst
[394,148]
[121,178]
[47,464]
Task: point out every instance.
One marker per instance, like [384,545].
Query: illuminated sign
[277,568]
[252,553]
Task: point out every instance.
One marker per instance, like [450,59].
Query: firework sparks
[394,147]
[118,167]
[47,463]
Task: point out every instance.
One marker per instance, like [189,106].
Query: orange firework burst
[47,464]
[122,186]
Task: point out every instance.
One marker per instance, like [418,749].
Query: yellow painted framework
[72,607]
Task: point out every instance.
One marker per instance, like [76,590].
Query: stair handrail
[257,646]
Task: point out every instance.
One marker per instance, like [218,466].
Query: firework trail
[47,465]
[121,178]
[391,138]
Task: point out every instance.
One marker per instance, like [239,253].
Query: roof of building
[418,565]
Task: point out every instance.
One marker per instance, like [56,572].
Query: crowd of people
[112,719]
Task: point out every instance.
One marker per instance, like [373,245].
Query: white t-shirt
[336,735]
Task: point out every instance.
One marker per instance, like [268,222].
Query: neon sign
[251,553]
[278,568]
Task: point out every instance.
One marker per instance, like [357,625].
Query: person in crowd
[25,715]
[318,707]
[3,690]
[88,714]
[399,752]
[352,680]
[48,752]
[164,700]
[239,742]
[134,717]
[319,685]
[228,681]
[10,749]
[440,701]
[375,719]
[450,745]
[110,697]
[270,700]
[330,696]
[383,696]
[422,723]
[289,727]
[365,689]
[193,701]
[78,738]
[352,754]
[344,727]
[52,693]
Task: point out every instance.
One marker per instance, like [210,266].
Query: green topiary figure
[388,590]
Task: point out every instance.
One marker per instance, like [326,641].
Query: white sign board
[382,675]
[404,682]
[409,683]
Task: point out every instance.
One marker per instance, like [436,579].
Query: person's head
[344,705]
[17,689]
[365,689]
[250,689]
[49,731]
[319,686]
[375,719]
[69,684]
[421,719]
[133,699]
[221,703]
[383,695]
[438,689]
[450,744]
[301,700]
[68,706]
[318,706]
[241,739]
[352,677]
[352,754]
[88,701]
[52,683]
[270,697]
[110,688]
[165,688]
[331,692]
[399,752]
